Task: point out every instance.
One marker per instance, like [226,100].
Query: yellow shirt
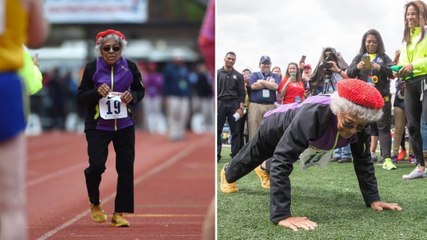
[12,34]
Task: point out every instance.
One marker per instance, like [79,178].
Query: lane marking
[152,171]
[56,174]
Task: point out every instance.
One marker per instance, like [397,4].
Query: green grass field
[332,199]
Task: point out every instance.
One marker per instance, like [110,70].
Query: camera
[328,58]
[321,80]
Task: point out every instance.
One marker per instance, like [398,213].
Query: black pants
[124,146]
[414,107]
[381,128]
[260,148]
[243,139]
[226,109]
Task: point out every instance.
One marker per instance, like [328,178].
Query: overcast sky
[287,29]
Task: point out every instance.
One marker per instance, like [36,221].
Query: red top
[294,89]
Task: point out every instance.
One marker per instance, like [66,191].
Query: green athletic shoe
[388,164]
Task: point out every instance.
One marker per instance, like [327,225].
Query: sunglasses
[350,125]
[108,48]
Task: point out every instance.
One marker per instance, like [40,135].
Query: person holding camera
[291,88]
[372,65]
[330,69]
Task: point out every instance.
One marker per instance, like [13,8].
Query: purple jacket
[122,76]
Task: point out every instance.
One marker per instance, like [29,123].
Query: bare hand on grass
[380,206]
[296,223]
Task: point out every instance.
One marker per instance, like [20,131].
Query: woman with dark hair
[373,66]
[291,88]
[412,60]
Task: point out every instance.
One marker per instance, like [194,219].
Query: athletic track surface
[174,184]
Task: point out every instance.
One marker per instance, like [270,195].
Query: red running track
[174,184]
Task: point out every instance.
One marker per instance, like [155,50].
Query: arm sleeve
[241,88]
[364,168]
[292,143]
[137,88]
[87,93]
[253,78]
[420,63]
[352,71]
[388,63]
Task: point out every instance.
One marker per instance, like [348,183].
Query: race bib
[266,93]
[312,156]
[112,107]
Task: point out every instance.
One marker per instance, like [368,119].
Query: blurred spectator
[306,73]
[56,93]
[154,120]
[176,91]
[202,98]
[244,131]
[70,89]
[276,70]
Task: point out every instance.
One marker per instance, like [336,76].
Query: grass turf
[330,197]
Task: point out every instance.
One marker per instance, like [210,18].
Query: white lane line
[55,174]
[180,155]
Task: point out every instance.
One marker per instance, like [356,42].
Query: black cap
[265,59]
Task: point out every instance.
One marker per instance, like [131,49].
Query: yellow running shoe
[264,177]
[97,213]
[388,164]
[119,221]
[227,187]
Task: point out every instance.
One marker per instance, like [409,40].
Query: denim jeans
[424,132]
[343,152]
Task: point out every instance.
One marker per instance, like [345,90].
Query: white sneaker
[416,173]
[374,156]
